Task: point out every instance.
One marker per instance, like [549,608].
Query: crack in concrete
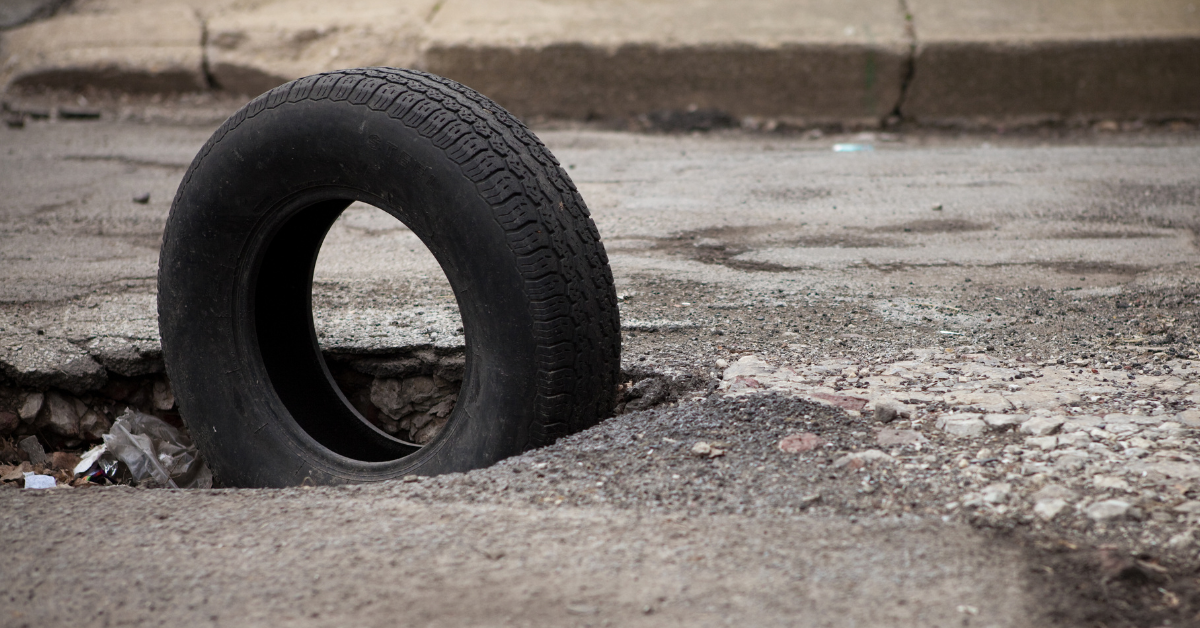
[910,62]
[209,80]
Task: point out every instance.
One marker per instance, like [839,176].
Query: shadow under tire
[487,198]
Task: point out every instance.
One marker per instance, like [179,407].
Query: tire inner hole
[387,324]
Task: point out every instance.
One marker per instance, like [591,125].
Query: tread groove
[554,242]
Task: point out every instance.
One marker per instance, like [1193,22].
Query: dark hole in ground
[62,420]
[644,388]
[394,343]
[408,395]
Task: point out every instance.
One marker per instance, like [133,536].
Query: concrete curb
[807,62]
[141,48]
[1056,80]
[1034,60]
[806,83]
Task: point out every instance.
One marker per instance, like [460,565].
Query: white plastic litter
[33,480]
[90,458]
[156,453]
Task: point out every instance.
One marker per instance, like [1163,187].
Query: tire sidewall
[237,194]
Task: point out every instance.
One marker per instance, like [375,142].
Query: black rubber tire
[482,192]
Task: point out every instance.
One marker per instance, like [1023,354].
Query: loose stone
[1108,509]
[1042,425]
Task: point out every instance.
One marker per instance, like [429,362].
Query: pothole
[388,324]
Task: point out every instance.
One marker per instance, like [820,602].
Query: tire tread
[554,241]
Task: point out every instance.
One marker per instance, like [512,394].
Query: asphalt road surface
[770,285]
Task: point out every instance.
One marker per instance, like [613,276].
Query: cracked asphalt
[1020,308]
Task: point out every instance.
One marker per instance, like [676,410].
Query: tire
[491,203]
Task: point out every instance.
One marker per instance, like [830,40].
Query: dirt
[1103,586]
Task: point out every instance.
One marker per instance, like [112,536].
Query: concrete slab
[1059,60]
[816,59]
[589,58]
[251,50]
[805,62]
[142,47]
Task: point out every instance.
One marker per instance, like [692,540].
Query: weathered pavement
[1047,281]
[367,556]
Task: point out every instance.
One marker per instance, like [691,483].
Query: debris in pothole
[15,473]
[30,407]
[61,415]
[408,394]
[67,422]
[33,450]
[646,393]
[164,397]
[418,407]
[155,453]
[35,481]
[89,459]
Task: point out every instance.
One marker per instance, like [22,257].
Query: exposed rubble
[418,406]
[1051,440]
[408,393]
